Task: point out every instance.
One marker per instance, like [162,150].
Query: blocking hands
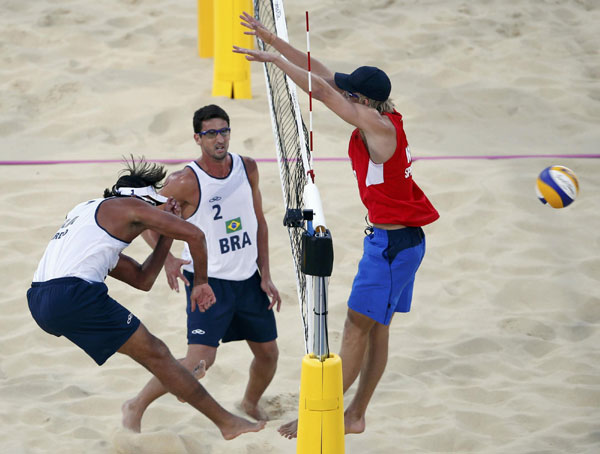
[257,29]
[256,55]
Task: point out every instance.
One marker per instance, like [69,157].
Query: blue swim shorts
[240,313]
[386,273]
[82,312]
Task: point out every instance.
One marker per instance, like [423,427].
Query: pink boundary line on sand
[432,158]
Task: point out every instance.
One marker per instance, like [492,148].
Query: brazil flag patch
[234,225]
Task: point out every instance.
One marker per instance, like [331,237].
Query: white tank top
[80,248]
[225,214]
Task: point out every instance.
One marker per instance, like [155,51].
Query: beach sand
[500,351]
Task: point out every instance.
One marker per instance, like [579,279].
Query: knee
[197,353]
[351,323]
[157,350]
[357,324]
[268,355]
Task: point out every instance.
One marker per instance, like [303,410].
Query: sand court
[500,351]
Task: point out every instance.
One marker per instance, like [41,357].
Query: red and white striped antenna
[310,122]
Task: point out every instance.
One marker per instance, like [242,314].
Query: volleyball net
[293,153]
[320,409]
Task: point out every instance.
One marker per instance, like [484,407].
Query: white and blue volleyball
[557,186]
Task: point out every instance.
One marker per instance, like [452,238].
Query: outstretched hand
[173,271]
[255,55]
[257,29]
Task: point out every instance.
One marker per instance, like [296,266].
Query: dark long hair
[137,174]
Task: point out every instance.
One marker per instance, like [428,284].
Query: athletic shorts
[386,273]
[82,312]
[240,313]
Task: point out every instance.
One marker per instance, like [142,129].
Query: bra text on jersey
[232,243]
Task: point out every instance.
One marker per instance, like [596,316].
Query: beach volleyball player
[397,208]
[68,296]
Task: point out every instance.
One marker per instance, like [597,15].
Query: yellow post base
[321,408]
[231,75]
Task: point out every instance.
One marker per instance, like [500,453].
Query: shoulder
[378,120]
[180,184]
[124,209]
[182,176]
[377,127]
[117,203]
[250,165]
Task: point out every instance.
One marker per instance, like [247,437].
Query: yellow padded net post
[231,76]
[321,409]
[206,28]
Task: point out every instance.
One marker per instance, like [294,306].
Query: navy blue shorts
[83,313]
[386,273]
[240,313]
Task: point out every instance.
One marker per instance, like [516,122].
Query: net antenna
[293,143]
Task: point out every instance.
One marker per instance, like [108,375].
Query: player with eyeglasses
[212,133]
[219,193]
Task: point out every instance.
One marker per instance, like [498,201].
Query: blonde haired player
[397,208]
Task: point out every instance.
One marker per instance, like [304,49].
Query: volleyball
[557,186]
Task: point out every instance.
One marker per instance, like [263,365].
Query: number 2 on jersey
[217,209]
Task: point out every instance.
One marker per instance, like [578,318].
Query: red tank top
[388,190]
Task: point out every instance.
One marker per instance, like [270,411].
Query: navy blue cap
[369,81]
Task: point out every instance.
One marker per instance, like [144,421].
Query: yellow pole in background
[206,28]
[321,406]
[231,75]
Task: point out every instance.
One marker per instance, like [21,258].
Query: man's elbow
[320,92]
[144,284]
[197,237]
[144,280]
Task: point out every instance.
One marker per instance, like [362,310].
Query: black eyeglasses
[212,133]
[350,95]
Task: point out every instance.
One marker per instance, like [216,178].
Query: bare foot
[132,418]
[351,426]
[254,411]
[237,426]
[198,372]
[289,430]
[354,424]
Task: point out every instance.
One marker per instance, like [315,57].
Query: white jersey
[225,214]
[80,248]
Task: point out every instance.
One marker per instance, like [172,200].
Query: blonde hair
[379,106]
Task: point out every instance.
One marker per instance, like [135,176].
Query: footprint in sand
[281,404]
[161,122]
[528,327]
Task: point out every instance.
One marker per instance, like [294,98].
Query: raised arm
[379,133]
[356,114]
[297,57]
